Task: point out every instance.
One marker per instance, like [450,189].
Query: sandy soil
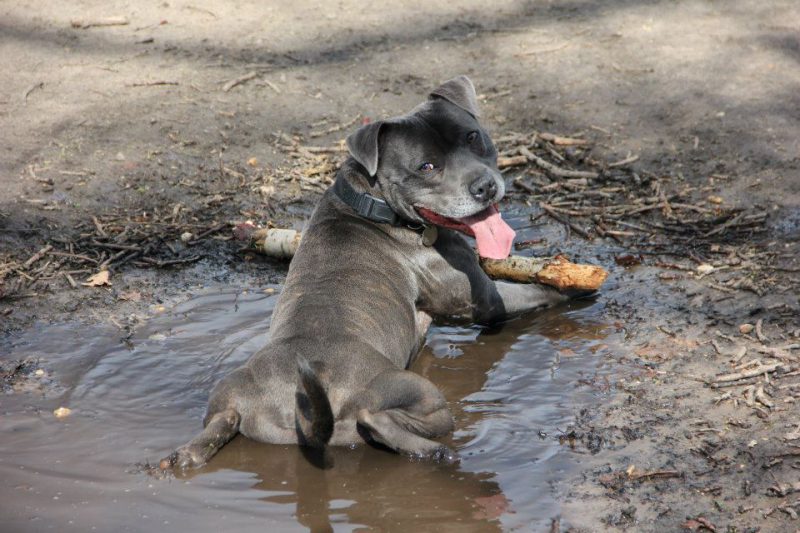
[143,120]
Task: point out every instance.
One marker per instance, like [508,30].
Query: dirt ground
[152,135]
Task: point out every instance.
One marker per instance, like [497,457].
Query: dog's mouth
[492,235]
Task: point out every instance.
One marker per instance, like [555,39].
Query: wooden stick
[275,242]
[577,229]
[557,272]
[38,255]
[758,371]
[553,169]
[97,23]
[240,80]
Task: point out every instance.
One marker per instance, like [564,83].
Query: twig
[240,80]
[553,169]
[759,332]
[524,186]
[658,474]
[168,262]
[206,233]
[126,247]
[627,161]
[562,141]
[577,229]
[333,129]
[152,83]
[514,161]
[70,281]
[79,257]
[96,23]
[736,376]
[38,255]
[39,85]
[99,227]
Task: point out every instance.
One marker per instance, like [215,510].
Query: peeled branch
[557,271]
[276,242]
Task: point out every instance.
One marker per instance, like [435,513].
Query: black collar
[367,206]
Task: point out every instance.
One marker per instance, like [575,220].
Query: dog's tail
[314,416]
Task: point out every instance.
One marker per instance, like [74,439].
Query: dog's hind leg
[404,411]
[221,427]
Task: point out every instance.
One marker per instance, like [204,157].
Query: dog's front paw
[444,454]
[438,454]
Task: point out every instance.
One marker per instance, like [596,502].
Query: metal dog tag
[429,235]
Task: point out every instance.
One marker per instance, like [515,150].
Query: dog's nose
[483,188]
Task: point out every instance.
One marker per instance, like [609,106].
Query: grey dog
[382,254]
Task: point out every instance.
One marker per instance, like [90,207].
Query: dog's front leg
[504,299]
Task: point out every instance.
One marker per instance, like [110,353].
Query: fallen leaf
[698,523]
[627,260]
[98,280]
[62,412]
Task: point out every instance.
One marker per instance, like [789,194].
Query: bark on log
[557,271]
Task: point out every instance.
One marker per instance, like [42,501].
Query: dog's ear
[363,146]
[460,92]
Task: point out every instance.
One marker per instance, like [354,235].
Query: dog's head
[437,165]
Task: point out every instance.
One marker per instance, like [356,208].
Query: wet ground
[190,116]
[131,402]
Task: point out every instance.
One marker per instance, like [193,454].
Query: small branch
[553,169]
[38,255]
[97,23]
[240,80]
[577,229]
[152,83]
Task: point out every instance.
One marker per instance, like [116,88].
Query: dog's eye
[472,136]
[427,167]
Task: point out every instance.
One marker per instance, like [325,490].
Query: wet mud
[513,391]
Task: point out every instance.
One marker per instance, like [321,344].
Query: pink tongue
[494,237]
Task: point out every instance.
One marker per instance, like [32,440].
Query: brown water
[511,390]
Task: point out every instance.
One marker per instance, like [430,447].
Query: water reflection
[506,387]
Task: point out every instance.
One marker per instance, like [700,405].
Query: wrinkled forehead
[435,121]
[444,115]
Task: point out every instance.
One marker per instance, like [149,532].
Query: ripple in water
[510,389]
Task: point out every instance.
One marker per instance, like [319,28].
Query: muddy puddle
[512,391]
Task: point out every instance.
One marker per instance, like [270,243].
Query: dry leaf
[698,523]
[98,280]
[62,412]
